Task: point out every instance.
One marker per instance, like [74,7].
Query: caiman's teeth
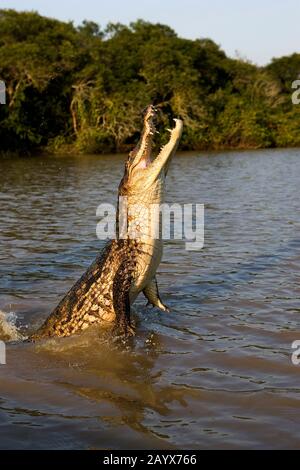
[169,130]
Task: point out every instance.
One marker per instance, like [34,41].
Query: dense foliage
[82,88]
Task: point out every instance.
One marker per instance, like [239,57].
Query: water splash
[8,327]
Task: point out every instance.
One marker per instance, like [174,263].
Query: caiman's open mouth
[141,157]
[142,164]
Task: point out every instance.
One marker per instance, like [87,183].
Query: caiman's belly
[147,263]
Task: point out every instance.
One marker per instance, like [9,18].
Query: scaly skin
[126,266]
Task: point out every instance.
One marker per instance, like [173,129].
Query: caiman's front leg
[152,295]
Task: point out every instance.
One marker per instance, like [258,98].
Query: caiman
[127,265]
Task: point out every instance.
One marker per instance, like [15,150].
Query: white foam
[8,327]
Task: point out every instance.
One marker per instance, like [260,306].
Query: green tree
[82,89]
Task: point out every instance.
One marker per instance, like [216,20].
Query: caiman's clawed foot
[159,305]
[128,330]
[124,329]
[152,295]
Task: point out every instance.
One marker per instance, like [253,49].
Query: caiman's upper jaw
[141,155]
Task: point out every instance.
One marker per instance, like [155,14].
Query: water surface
[216,372]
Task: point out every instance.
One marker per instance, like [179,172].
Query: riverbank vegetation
[82,89]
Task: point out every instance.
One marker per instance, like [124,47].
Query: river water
[216,372]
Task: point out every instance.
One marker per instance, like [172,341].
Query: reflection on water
[216,371]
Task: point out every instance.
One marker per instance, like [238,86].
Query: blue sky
[257,29]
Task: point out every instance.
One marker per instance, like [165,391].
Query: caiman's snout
[140,157]
[150,114]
